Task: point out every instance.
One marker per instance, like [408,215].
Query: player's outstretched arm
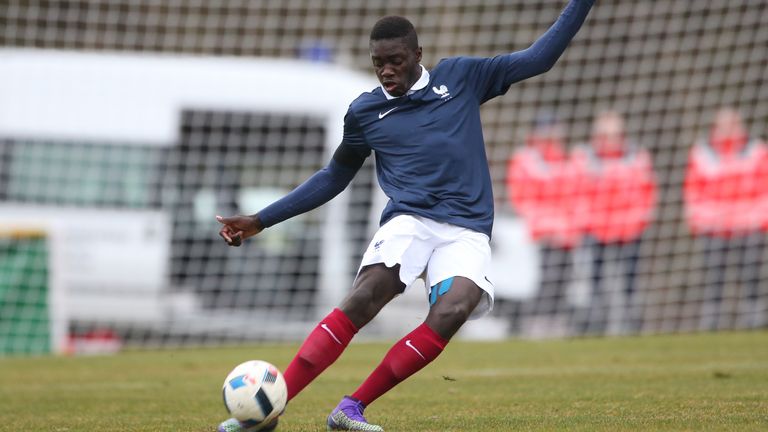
[543,54]
[316,191]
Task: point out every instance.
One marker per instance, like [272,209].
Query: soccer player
[430,160]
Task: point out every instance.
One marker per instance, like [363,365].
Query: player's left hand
[238,228]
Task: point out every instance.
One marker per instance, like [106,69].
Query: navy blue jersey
[430,153]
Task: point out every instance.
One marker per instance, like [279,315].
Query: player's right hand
[235,229]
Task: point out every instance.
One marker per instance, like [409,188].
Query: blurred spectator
[726,203]
[621,195]
[542,187]
[315,50]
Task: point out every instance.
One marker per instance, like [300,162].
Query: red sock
[321,348]
[404,359]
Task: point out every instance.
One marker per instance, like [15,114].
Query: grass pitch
[657,383]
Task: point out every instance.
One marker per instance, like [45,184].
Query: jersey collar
[418,85]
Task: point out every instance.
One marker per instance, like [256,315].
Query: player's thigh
[374,287]
[454,301]
[466,261]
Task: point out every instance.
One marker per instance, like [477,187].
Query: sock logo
[410,345]
[324,326]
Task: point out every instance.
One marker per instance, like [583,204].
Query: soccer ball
[255,392]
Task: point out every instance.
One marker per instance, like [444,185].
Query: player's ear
[418,54]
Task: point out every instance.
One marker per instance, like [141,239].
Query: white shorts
[443,250]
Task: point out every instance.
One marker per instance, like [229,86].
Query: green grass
[659,383]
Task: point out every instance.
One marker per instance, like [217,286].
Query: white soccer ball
[255,392]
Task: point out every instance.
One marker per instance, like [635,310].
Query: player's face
[396,65]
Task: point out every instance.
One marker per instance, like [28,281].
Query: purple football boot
[348,416]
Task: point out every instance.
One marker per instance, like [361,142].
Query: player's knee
[360,301]
[374,288]
[362,305]
[451,314]
[447,319]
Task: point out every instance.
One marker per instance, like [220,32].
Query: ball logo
[244,380]
[270,375]
[237,382]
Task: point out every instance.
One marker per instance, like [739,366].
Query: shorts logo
[378,244]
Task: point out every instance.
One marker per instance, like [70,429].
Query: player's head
[728,133]
[608,133]
[396,54]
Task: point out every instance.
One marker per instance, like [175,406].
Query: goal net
[126,126]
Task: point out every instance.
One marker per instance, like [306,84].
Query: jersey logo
[383,114]
[442,91]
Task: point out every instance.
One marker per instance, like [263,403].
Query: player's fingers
[232,238]
[235,239]
[224,220]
